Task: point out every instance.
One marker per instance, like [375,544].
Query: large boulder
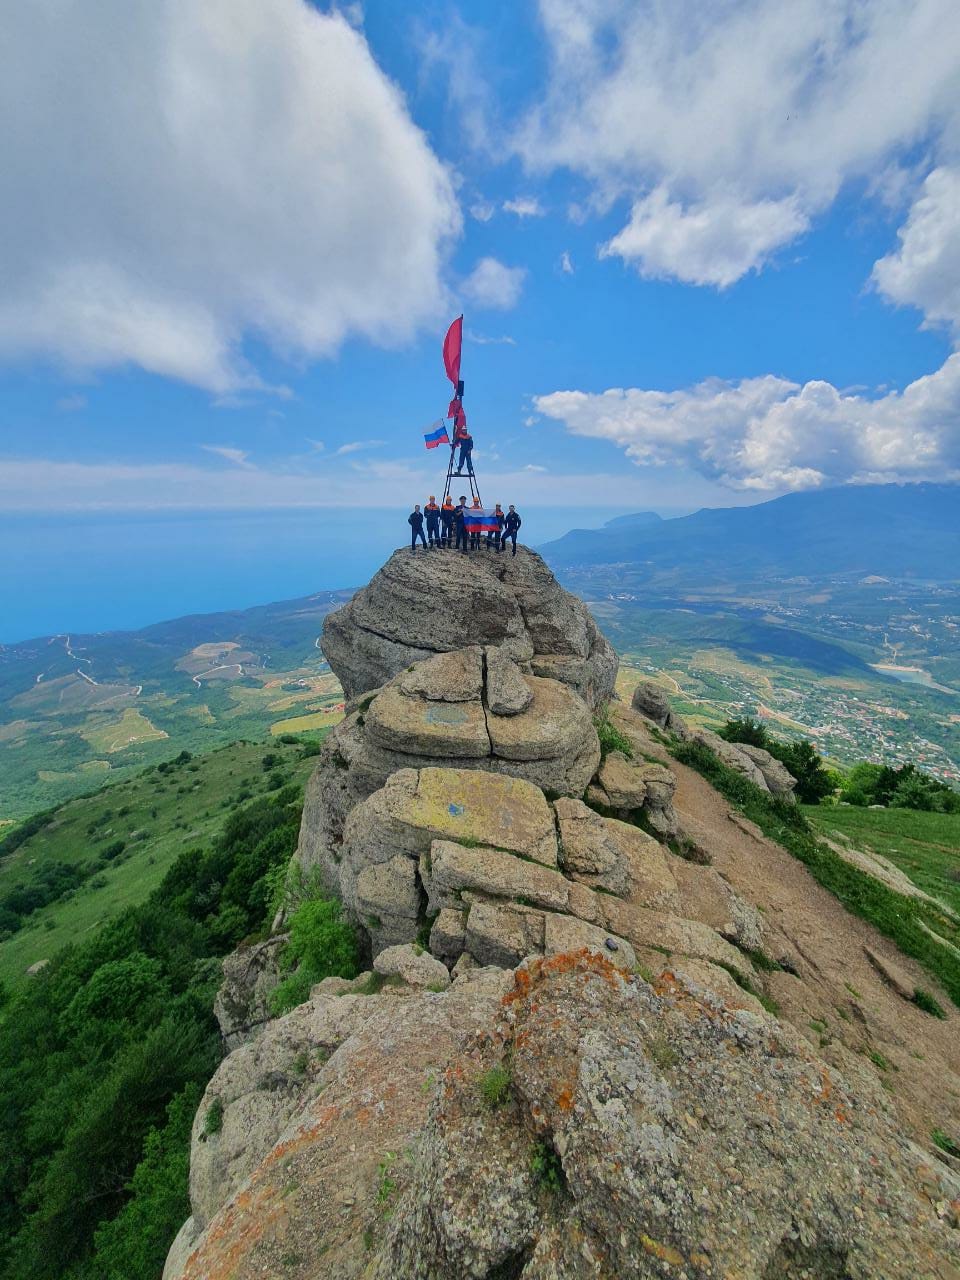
[778,780]
[643,1131]
[418,605]
[653,704]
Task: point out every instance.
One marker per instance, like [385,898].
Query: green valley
[94,856]
[76,711]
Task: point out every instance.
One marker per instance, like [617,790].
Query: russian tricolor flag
[476,520]
[437,435]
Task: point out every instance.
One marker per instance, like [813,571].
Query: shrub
[322,945]
[925,1001]
[945,1143]
[749,731]
[611,739]
[546,1167]
[213,1120]
[495,1086]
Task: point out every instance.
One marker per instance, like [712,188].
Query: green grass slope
[155,816]
[925,846]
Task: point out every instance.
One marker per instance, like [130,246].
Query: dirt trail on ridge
[836,984]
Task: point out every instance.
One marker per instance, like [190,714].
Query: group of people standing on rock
[446,526]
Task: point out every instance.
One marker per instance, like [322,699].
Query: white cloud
[237,456]
[715,242]
[482,211]
[925,271]
[493,285]
[39,484]
[566,263]
[483,340]
[768,434]
[355,446]
[524,207]
[730,127]
[208,172]
[532,466]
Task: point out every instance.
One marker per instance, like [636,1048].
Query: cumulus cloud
[205,173]
[566,263]
[524,207]
[715,242]
[769,434]
[493,285]
[730,127]
[925,271]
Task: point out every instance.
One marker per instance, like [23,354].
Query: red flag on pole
[452,344]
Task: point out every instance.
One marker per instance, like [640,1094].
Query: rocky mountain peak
[431,602]
[564,1059]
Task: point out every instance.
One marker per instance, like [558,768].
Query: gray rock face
[417,605]
[778,779]
[507,692]
[415,967]
[249,975]
[424,719]
[756,764]
[682,1135]
[448,677]
[652,702]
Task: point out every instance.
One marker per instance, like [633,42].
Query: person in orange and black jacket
[475,537]
[446,522]
[432,512]
[494,537]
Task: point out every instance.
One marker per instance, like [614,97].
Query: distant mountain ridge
[902,530]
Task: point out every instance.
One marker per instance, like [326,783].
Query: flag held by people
[437,435]
[477,520]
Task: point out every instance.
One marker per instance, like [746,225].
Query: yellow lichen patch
[665,1252]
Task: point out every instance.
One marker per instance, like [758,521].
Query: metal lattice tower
[469,477]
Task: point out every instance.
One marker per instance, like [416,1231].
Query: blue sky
[706,254]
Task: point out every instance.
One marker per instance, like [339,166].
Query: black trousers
[513,538]
[462,537]
[446,535]
[414,535]
[466,456]
[433,532]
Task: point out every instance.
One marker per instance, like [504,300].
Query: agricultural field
[76,711]
[120,841]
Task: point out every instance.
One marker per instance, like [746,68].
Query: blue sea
[106,572]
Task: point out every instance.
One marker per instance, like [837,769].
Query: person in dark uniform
[494,538]
[446,522]
[415,521]
[475,537]
[432,512]
[458,525]
[465,440]
[511,525]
